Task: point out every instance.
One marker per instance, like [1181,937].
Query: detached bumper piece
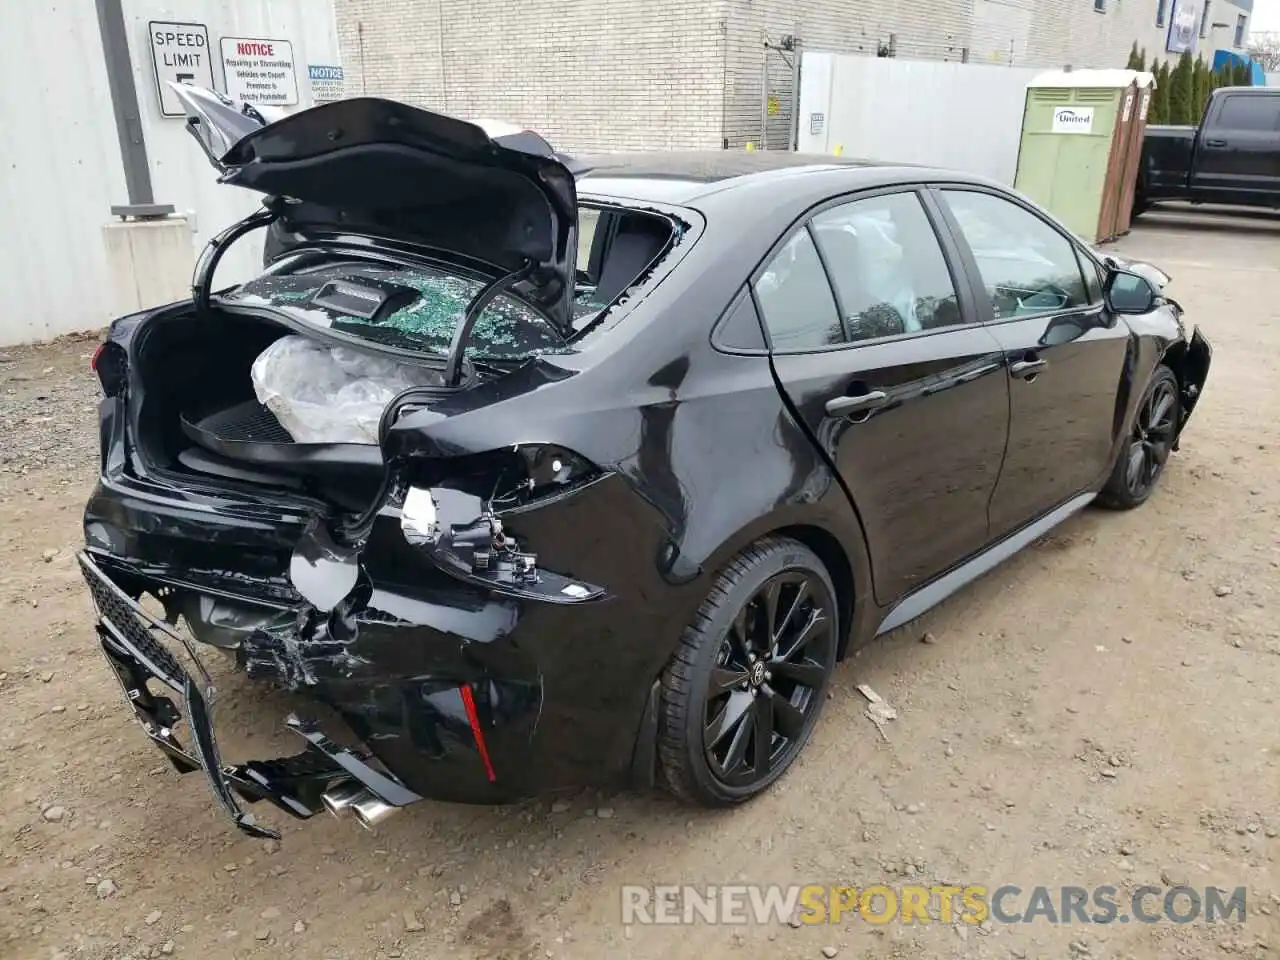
[296,784]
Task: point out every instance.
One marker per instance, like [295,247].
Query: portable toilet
[1076,146]
[1144,88]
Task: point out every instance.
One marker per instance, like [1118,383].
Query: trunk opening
[197,414]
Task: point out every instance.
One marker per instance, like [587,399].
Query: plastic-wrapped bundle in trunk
[323,394]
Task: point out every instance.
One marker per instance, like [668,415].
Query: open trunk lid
[399,172]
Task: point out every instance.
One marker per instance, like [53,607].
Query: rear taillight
[460,519]
[111,366]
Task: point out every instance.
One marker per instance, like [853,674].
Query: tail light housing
[459,521]
[111,365]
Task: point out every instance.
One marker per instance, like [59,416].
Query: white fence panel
[180,173]
[962,116]
[59,170]
[60,164]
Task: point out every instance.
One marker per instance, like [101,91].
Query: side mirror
[1130,293]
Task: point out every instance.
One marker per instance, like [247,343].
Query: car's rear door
[1065,353]
[877,344]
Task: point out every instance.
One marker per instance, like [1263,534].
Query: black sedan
[540,471]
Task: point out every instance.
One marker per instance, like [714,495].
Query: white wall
[60,164]
[962,116]
[180,173]
[59,170]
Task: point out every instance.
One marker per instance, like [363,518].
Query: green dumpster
[1077,136]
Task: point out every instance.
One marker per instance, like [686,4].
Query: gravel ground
[1100,710]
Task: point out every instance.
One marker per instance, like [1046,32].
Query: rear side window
[795,298]
[1027,267]
[1250,113]
[887,267]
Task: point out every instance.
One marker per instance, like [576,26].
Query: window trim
[744,293]
[970,307]
[971,262]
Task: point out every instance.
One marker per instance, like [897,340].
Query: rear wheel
[1141,461]
[746,685]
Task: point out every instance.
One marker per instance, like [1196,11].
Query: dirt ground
[1101,710]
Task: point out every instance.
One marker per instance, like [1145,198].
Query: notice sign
[1073,120]
[179,53]
[260,71]
[326,83]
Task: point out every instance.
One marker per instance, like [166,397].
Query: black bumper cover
[128,635]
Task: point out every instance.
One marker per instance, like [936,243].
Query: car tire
[729,667]
[1142,458]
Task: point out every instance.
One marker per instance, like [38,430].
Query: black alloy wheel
[748,683]
[1142,459]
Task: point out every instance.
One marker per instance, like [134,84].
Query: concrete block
[149,262]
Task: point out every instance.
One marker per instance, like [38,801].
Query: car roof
[685,177]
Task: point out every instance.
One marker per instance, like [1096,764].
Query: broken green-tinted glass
[506,330]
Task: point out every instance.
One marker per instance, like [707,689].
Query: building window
[1099,6]
[1161,6]
[1240,22]
[1204,19]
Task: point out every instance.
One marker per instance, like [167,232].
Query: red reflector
[473,718]
[93,363]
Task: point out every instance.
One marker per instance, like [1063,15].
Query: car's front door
[1064,352]
[879,347]
[1237,156]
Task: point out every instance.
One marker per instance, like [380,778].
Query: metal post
[764,99]
[124,99]
[796,54]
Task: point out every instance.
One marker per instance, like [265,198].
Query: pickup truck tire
[1142,456]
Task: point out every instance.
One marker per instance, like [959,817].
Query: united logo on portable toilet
[1073,120]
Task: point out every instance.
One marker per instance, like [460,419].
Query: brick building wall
[587,74]
[687,74]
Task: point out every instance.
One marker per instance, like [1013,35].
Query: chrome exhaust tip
[369,811]
[337,800]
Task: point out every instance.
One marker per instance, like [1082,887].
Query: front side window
[1027,267]
[1250,113]
[795,298]
[887,267]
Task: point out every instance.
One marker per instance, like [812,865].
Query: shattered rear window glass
[430,305]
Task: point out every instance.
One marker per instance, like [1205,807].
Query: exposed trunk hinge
[202,279]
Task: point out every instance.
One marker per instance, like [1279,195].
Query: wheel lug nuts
[768,675]
[755,692]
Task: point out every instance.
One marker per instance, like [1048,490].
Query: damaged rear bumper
[131,642]
[461,693]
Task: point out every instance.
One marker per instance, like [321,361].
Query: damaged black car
[538,471]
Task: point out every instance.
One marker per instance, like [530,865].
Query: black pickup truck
[1233,157]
